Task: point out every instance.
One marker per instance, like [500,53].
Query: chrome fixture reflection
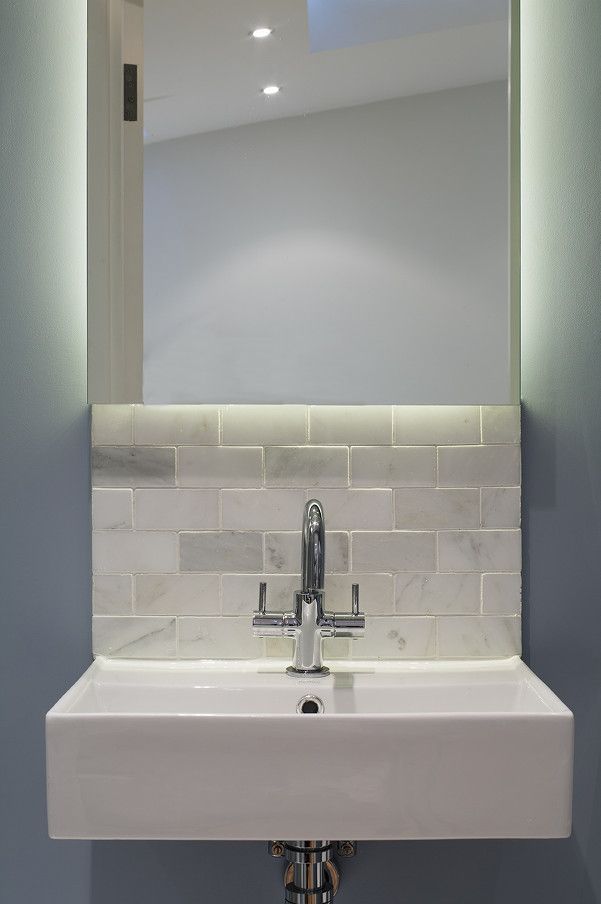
[308,623]
[312,876]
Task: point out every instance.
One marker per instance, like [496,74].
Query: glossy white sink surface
[216,750]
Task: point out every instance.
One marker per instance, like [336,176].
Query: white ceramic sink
[209,750]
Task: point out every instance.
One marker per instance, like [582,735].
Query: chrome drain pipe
[312,876]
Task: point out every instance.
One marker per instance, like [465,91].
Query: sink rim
[551,705]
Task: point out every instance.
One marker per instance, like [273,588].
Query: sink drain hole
[310,705]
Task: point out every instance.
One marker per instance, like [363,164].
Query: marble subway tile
[283,552]
[500,506]
[262,509]
[112,594]
[134,637]
[359,425]
[222,551]
[240,592]
[309,466]
[394,466]
[501,423]
[112,509]
[430,508]
[436,425]
[112,425]
[478,637]
[485,550]
[392,551]
[176,509]
[176,425]
[280,647]
[435,544]
[437,594]
[397,638]
[217,638]
[264,425]
[357,509]
[133,466]
[331,648]
[501,594]
[216,466]
[479,466]
[121,552]
[375,593]
[176,594]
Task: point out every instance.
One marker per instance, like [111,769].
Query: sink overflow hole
[310,705]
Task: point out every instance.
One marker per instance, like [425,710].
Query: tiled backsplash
[194,505]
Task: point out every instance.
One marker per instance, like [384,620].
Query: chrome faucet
[308,623]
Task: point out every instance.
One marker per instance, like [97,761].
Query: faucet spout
[313,550]
[308,623]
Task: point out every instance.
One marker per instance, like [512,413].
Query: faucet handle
[350,624]
[262,598]
[267,624]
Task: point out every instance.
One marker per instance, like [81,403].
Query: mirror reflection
[326,201]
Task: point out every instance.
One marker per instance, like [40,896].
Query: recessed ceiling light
[262,32]
[270,90]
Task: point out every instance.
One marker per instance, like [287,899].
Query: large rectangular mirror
[326,202]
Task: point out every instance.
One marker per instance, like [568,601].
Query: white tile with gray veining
[393,551]
[478,637]
[437,594]
[135,637]
[219,466]
[177,594]
[112,425]
[112,509]
[333,647]
[118,552]
[397,638]
[261,509]
[436,425]
[176,509]
[133,466]
[217,638]
[112,594]
[240,592]
[283,552]
[500,507]
[219,551]
[394,466]
[264,425]
[176,425]
[431,508]
[501,423]
[194,505]
[367,425]
[306,466]
[479,466]
[357,509]
[479,550]
[501,594]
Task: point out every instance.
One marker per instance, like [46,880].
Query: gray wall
[44,511]
[44,544]
[376,236]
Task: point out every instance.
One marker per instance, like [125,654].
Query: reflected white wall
[374,236]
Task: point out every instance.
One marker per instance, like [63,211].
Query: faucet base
[303,673]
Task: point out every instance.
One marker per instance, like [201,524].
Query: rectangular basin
[215,750]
